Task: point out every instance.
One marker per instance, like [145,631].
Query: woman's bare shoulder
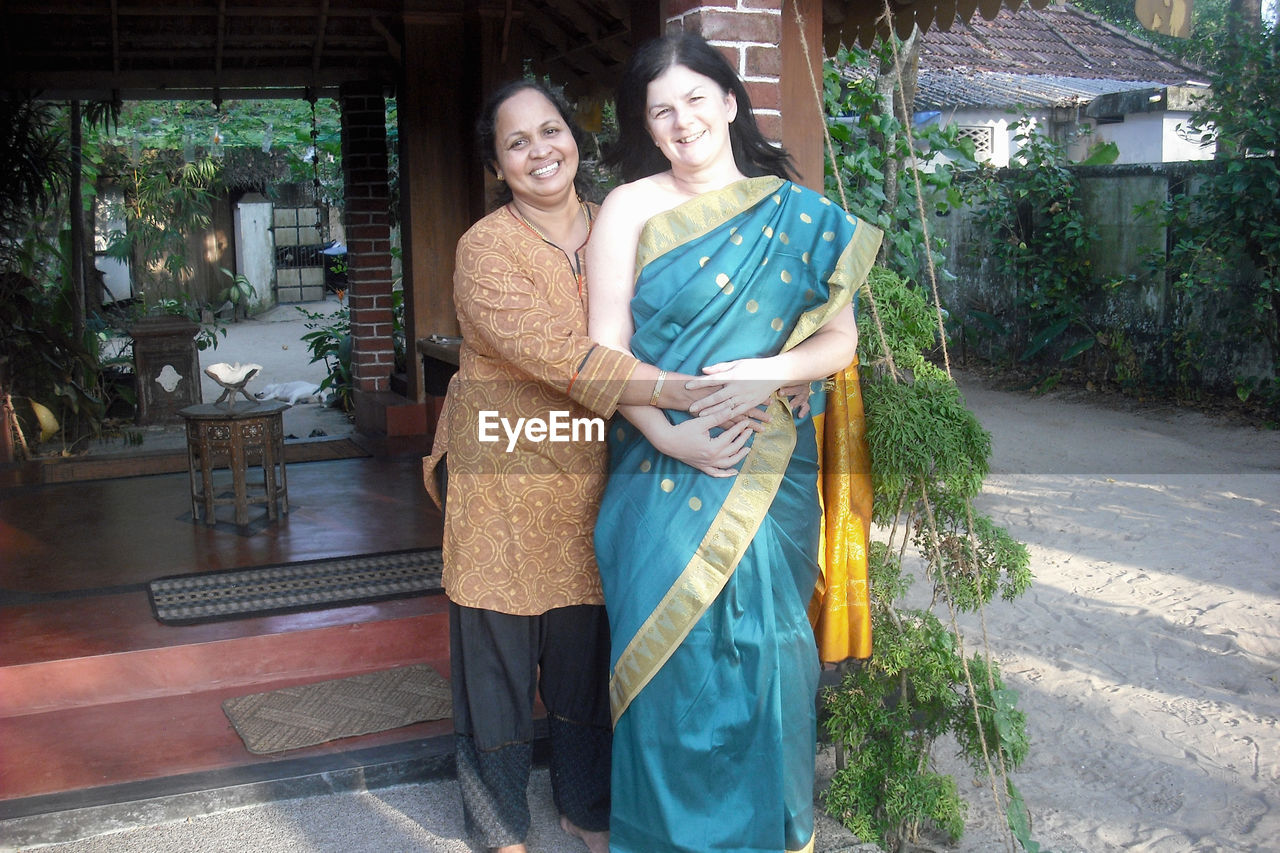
[642,199]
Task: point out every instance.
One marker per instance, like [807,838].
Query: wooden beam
[802,116]
[321,25]
[221,33]
[115,36]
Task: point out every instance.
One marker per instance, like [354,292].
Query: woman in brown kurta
[519,568]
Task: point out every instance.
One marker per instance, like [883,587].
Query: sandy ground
[1146,655]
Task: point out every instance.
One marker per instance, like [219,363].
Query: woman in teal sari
[711,262]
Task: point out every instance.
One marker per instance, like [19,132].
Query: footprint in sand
[1160,793]
[1186,710]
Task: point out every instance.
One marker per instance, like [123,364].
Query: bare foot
[597,842]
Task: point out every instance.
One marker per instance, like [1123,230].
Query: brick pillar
[368,229]
[749,33]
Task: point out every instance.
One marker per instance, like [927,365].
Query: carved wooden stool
[237,439]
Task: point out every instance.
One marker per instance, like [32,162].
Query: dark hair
[634,153]
[486,131]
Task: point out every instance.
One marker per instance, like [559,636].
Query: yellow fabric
[840,610]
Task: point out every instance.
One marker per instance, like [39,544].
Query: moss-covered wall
[1134,303]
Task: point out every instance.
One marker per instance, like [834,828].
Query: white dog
[292,392]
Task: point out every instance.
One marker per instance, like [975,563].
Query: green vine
[869,142]
[928,461]
[1223,253]
[1038,240]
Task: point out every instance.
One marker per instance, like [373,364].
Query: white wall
[115,273]
[1157,137]
[1181,143]
[256,249]
[1140,137]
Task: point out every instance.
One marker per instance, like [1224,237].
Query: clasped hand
[742,388]
[737,404]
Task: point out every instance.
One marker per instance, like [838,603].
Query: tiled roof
[1057,41]
[940,90]
[1031,58]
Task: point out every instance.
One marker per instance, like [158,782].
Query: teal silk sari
[707,580]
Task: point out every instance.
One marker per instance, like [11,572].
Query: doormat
[292,587]
[308,714]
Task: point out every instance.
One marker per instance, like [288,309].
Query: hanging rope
[844,202]
[315,147]
[933,538]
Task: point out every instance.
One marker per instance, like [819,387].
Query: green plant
[928,460]
[164,200]
[869,142]
[237,293]
[1037,240]
[330,341]
[1235,218]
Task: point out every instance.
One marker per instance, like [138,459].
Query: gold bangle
[657,387]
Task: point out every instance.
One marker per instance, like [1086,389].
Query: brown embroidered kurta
[518,531]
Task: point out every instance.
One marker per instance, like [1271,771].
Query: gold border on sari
[699,215]
[712,564]
[748,501]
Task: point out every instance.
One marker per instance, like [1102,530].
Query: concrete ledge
[61,818]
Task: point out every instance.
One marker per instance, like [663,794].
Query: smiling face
[688,116]
[534,149]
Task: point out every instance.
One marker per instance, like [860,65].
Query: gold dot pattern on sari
[828,235]
[782,236]
[767,231]
[752,306]
[667,484]
[736,239]
[722,279]
[776,325]
[695,503]
[785,276]
[645,466]
[806,219]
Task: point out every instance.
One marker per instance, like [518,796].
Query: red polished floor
[95,693]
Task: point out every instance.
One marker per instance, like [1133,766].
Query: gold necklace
[575,262]
[536,230]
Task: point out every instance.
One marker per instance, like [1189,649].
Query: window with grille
[299,262]
[983,139]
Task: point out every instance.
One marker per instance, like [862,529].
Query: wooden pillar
[440,184]
[802,118]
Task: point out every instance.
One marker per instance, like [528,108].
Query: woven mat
[290,587]
[309,714]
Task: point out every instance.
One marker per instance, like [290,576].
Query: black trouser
[497,662]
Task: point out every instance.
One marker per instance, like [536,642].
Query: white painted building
[1076,77]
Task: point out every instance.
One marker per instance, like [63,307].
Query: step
[94,753]
[41,674]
